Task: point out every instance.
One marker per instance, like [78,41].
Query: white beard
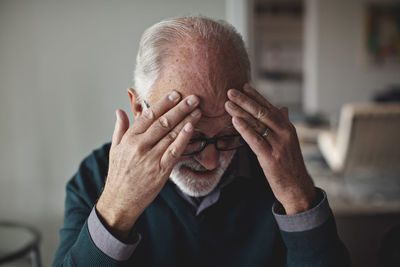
[194,186]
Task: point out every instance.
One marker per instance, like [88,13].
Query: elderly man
[209,174]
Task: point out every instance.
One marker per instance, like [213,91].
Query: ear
[136,104]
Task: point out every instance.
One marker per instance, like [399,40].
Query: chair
[18,241]
[367,139]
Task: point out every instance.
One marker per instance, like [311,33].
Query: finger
[175,150]
[169,120]
[285,112]
[256,142]
[273,140]
[275,112]
[253,93]
[236,111]
[121,126]
[261,113]
[152,113]
[192,118]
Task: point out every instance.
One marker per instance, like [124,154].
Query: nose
[209,157]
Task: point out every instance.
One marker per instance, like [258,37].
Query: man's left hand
[272,137]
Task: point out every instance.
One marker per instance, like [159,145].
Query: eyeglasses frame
[207,141]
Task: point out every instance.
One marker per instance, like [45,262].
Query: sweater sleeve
[107,243]
[311,237]
[76,247]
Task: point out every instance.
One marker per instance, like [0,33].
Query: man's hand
[142,157]
[278,153]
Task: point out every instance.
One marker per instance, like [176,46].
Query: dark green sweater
[238,230]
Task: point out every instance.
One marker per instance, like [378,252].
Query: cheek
[182,159]
[225,157]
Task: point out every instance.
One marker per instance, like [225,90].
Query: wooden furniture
[367,139]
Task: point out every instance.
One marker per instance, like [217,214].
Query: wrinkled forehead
[215,126]
[207,71]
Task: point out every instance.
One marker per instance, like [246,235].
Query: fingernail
[117,115]
[196,113]
[233,92]
[188,127]
[192,100]
[173,96]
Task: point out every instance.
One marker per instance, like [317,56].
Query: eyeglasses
[221,143]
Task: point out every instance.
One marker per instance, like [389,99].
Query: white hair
[191,185]
[158,40]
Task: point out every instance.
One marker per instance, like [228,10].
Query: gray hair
[160,38]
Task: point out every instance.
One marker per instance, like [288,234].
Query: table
[353,194]
[348,193]
[18,241]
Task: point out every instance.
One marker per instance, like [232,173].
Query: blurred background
[65,67]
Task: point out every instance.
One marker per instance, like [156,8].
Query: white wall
[240,13]
[64,70]
[335,70]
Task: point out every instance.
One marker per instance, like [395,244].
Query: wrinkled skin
[279,152]
[143,154]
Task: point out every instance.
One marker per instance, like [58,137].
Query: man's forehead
[223,128]
[211,105]
[207,73]
[215,126]
[212,95]
[206,69]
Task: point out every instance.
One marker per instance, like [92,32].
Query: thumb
[285,111]
[121,126]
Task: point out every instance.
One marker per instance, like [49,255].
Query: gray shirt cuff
[306,220]
[106,242]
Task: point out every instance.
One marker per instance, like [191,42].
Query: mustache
[196,166]
[192,164]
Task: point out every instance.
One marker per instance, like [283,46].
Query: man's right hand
[142,157]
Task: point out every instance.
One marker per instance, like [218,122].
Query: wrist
[118,222]
[300,202]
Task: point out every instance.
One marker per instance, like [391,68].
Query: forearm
[118,219]
[311,237]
